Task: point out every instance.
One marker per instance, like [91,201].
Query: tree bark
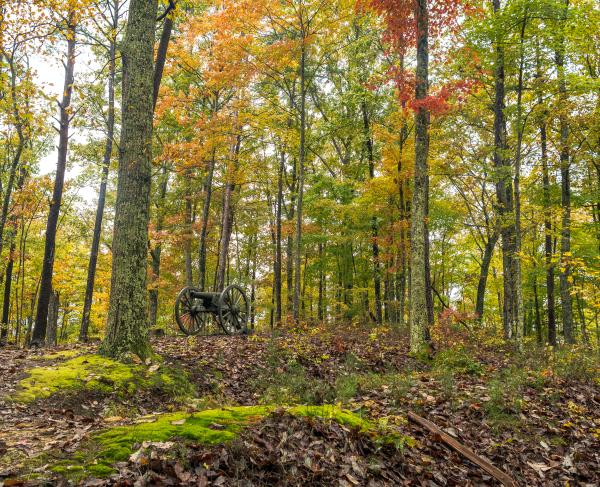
[204,225]
[368,139]
[156,252]
[161,53]
[565,276]
[227,218]
[488,253]
[41,320]
[278,256]
[108,148]
[301,160]
[504,194]
[419,256]
[125,330]
[53,307]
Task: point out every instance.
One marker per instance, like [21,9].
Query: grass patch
[100,374]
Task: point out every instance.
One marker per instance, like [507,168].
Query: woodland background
[284,149]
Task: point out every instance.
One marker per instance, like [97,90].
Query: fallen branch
[495,472]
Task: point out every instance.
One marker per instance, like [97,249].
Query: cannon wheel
[233,310]
[191,320]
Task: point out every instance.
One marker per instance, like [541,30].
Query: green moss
[100,374]
[61,354]
[213,426]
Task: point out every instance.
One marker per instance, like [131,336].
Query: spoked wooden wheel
[190,313]
[233,310]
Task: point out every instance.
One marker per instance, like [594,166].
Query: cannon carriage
[194,310]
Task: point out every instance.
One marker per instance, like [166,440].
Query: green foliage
[294,386]
[457,359]
[99,374]
[505,391]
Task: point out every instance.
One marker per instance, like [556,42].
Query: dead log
[495,472]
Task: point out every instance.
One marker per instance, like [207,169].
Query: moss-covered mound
[207,427]
[98,374]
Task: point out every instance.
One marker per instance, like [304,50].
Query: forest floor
[535,415]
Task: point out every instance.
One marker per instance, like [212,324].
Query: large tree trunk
[39,330]
[566,300]
[301,160]
[108,147]
[126,325]
[419,255]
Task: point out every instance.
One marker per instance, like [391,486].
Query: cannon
[194,308]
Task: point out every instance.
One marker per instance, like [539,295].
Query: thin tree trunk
[187,245]
[227,220]
[108,147]
[299,209]
[156,252]
[204,226]
[278,256]
[503,188]
[41,320]
[566,300]
[53,307]
[548,250]
[516,260]
[419,256]
[18,123]
[374,226]
[161,53]
[126,329]
[488,253]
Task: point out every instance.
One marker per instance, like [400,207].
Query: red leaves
[401,34]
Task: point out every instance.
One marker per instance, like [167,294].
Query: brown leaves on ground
[542,428]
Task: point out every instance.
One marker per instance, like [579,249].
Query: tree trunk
[374,227]
[53,306]
[18,122]
[548,250]
[504,193]
[204,226]
[483,273]
[565,278]
[227,219]
[301,160]
[126,328]
[41,320]
[278,256]
[161,53]
[516,260]
[156,252]
[108,147]
[419,312]
[189,233]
